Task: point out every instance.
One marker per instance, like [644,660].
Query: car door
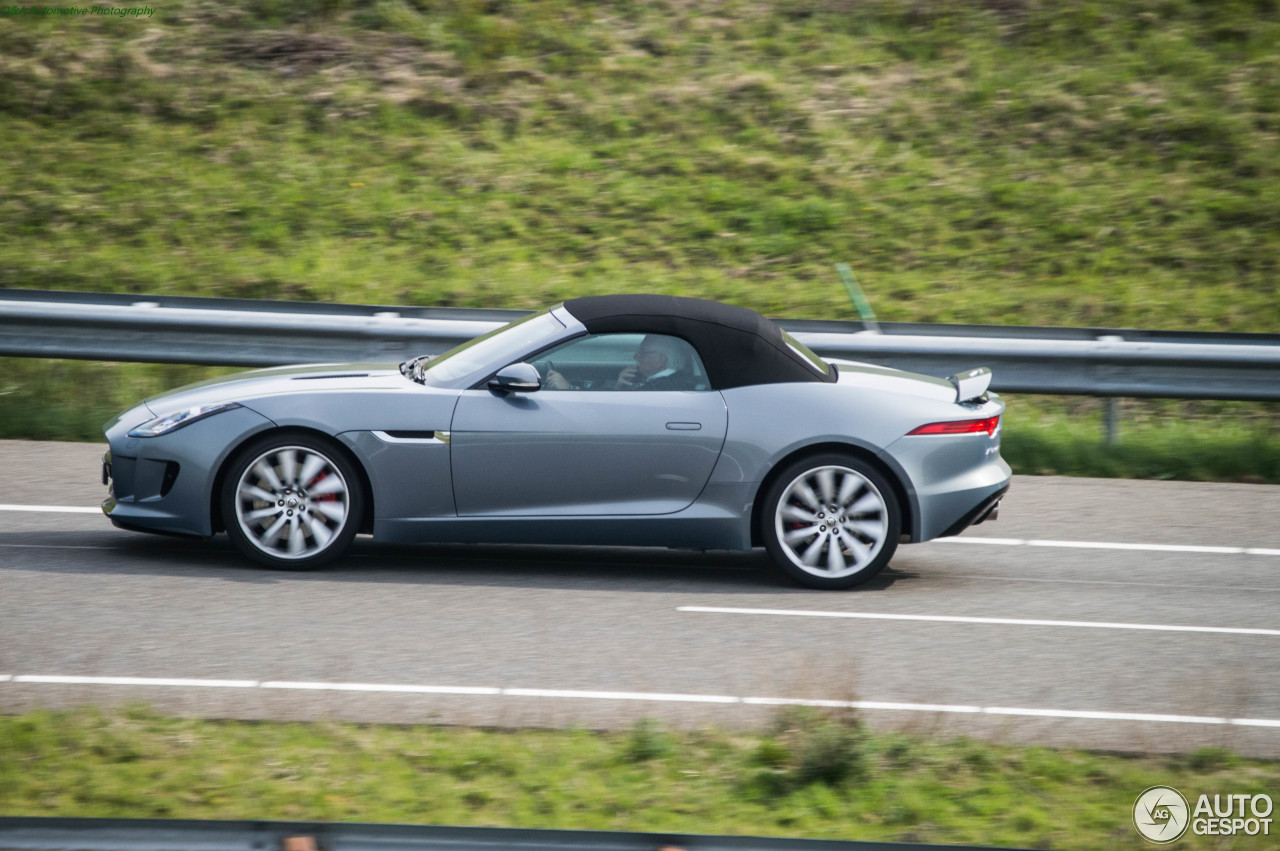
[579,452]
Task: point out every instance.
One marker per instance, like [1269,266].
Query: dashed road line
[1163,585]
[134,681]
[374,687]
[1109,545]
[807,613]
[50,547]
[52,509]
[622,695]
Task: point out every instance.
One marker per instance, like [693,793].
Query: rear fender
[903,491]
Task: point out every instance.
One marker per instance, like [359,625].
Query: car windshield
[487,352]
[805,352]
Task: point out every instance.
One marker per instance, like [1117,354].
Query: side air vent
[434,437]
[170,476]
[335,375]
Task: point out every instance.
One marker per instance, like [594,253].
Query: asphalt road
[1031,637]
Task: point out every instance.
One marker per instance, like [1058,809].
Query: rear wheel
[830,521]
[292,502]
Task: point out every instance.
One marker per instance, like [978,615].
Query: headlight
[169,422]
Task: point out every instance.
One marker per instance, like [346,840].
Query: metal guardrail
[235,332]
[227,332]
[87,834]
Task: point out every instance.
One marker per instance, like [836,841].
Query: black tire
[797,529]
[318,496]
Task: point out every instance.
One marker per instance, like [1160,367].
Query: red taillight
[989,425]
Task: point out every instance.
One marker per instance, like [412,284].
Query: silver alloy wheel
[292,502]
[831,521]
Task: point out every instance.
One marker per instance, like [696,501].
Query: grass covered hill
[1102,162]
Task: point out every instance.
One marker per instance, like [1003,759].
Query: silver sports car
[633,420]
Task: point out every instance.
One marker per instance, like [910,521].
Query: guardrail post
[1112,419]
[1111,412]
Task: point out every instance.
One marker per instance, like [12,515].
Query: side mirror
[516,378]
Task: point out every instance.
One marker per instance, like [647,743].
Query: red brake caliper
[792,525]
[327,497]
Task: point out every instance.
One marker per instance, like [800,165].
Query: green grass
[1086,162]
[1030,162]
[808,774]
[1158,439]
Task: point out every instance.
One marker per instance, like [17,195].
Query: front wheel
[830,521]
[292,502]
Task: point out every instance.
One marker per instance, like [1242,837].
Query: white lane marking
[1105,716]
[862,704]
[887,706]
[52,509]
[622,695]
[1105,545]
[135,681]
[372,687]
[1159,548]
[1000,542]
[804,613]
[50,547]
[1163,585]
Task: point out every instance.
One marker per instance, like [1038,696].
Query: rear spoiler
[971,384]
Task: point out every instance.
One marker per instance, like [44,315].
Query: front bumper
[166,484]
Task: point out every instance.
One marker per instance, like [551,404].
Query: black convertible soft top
[738,347]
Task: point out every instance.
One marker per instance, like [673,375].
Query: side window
[622,362]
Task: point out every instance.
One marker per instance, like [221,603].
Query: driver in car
[661,363]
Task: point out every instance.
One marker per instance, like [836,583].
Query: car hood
[872,377]
[278,380]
